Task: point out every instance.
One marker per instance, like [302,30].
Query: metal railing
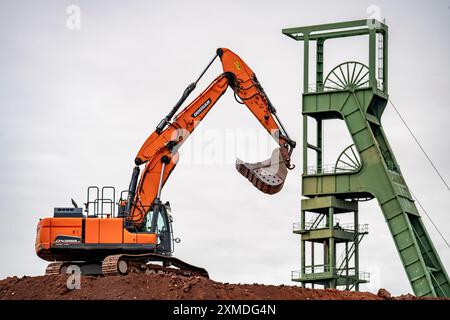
[296,274]
[100,204]
[349,227]
[315,88]
[362,228]
[320,271]
[312,225]
[297,226]
[321,268]
[329,168]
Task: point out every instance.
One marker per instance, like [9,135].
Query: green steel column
[356,244]
[372,59]
[331,246]
[306,63]
[302,227]
[346,266]
[302,220]
[319,87]
[385,62]
[319,64]
[305,144]
[319,150]
[312,259]
[305,89]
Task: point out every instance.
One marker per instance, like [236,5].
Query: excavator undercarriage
[120,264]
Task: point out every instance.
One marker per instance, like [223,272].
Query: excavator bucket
[268,176]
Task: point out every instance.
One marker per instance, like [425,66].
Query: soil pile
[167,286]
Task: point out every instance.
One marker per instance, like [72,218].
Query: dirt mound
[166,286]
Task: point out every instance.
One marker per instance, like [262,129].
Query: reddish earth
[167,286]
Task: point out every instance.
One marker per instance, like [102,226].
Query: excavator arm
[160,155]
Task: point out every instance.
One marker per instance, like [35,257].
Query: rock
[384,294]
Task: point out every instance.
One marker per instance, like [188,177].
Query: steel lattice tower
[352,92]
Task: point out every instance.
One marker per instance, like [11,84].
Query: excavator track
[126,263]
[54,268]
[111,267]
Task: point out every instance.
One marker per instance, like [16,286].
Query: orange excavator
[99,241]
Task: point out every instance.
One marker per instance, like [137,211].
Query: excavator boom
[160,155]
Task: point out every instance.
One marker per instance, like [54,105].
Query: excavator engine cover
[268,176]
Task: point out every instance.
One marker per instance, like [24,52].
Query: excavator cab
[163,229]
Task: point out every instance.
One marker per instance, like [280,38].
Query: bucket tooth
[267,176]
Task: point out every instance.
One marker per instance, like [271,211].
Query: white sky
[77,104]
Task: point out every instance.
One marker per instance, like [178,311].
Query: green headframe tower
[356,94]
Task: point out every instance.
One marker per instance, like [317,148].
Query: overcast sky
[78,103]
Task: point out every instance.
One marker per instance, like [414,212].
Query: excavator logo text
[237,65]
[66,240]
[201,108]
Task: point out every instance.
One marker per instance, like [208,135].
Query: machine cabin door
[164,232]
